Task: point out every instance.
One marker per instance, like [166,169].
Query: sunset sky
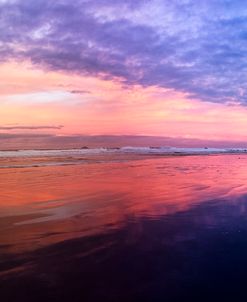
[173,68]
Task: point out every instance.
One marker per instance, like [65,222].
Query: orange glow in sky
[90,105]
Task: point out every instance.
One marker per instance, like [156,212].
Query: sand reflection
[44,205]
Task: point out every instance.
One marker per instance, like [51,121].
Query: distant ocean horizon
[23,141]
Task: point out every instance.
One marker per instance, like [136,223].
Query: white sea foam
[122,150]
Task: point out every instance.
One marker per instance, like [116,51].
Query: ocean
[128,224]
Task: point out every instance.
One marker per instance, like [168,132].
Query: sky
[172,68]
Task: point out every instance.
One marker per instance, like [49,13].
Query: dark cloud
[29,127]
[200,49]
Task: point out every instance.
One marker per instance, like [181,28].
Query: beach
[123,151]
[122,227]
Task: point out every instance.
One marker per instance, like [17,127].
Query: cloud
[21,136]
[30,127]
[80,91]
[197,49]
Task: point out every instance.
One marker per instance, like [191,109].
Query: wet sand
[146,229]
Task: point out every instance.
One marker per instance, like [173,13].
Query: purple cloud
[197,49]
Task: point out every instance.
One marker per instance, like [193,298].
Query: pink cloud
[111,108]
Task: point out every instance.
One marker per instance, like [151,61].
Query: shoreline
[22,162]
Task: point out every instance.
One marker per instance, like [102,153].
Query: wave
[51,153]
[121,150]
[63,157]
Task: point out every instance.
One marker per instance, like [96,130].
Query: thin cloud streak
[30,127]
